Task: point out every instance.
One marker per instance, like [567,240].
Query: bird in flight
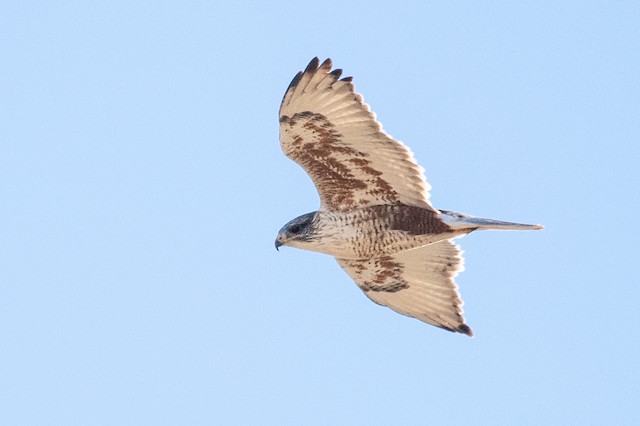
[375,217]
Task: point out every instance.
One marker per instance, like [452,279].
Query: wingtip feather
[336,73]
[313,65]
[464,329]
[327,64]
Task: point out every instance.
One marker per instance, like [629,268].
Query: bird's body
[375,217]
[376,231]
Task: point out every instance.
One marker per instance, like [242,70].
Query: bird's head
[298,232]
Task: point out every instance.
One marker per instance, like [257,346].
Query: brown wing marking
[418,283]
[384,274]
[338,170]
[328,129]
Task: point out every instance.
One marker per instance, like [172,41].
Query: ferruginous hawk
[375,217]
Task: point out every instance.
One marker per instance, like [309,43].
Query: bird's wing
[418,283]
[327,128]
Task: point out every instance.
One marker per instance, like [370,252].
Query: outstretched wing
[418,283]
[327,128]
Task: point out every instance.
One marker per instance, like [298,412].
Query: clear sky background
[142,186]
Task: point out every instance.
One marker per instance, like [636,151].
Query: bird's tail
[460,221]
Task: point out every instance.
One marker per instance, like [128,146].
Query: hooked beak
[278,244]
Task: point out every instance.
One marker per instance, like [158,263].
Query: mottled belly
[380,230]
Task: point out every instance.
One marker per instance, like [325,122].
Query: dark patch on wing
[312,66]
[336,73]
[368,180]
[464,329]
[386,274]
[435,301]
[292,86]
[339,171]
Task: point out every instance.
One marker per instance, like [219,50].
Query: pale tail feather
[461,221]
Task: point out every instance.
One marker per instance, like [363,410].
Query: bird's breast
[377,231]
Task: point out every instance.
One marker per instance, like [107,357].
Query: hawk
[375,217]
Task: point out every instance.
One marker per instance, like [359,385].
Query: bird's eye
[294,229]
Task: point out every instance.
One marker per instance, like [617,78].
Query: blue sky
[142,186]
